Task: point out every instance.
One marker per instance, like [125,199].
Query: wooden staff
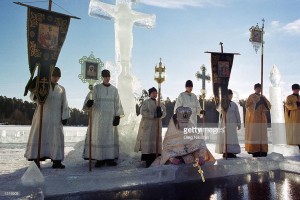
[90,129]
[50,5]
[41,117]
[158,121]
[203,104]
[224,118]
[203,129]
[90,139]
[225,134]
[40,135]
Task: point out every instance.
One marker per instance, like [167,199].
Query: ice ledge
[59,186]
[108,180]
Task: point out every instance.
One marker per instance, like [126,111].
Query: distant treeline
[18,112]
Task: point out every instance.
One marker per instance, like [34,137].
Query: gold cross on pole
[200,171]
[159,71]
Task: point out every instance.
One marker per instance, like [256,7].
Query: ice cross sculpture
[124,19]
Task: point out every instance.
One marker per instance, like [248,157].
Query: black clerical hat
[56,72]
[257,85]
[105,73]
[188,83]
[295,86]
[153,89]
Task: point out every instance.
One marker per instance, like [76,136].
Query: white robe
[105,138]
[55,110]
[232,121]
[189,100]
[146,138]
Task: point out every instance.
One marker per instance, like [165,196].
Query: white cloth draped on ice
[189,100]
[105,138]
[146,139]
[232,121]
[55,110]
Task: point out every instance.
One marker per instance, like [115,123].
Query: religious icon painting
[91,70]
[256,36]
[48,36]
[223,69]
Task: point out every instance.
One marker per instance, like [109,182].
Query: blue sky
[184,30]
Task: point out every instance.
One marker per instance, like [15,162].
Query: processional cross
[257,40]
[98,65]
[202,75]
[159,77]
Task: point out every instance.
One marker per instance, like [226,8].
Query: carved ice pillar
[277,111]
[277,118]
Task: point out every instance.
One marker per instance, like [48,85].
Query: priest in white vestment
[55,115]
[182,143]
[150,128]
[106,112]
[189,99]
[233,123]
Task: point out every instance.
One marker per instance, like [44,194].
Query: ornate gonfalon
[221,65]
[46,33]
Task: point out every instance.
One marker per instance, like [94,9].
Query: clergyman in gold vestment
[292,117]
[256,134]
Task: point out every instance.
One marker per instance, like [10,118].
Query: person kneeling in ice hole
[181,144]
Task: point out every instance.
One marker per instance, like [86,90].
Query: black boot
[149,158]
[111,162]
[231,155]
[263,154]
[99,163]
[256,154]
[57,164]
[148,163]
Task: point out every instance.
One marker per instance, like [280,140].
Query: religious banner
[221,64]
[256,36]
[46,33]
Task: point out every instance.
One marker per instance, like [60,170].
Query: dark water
[256,186]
